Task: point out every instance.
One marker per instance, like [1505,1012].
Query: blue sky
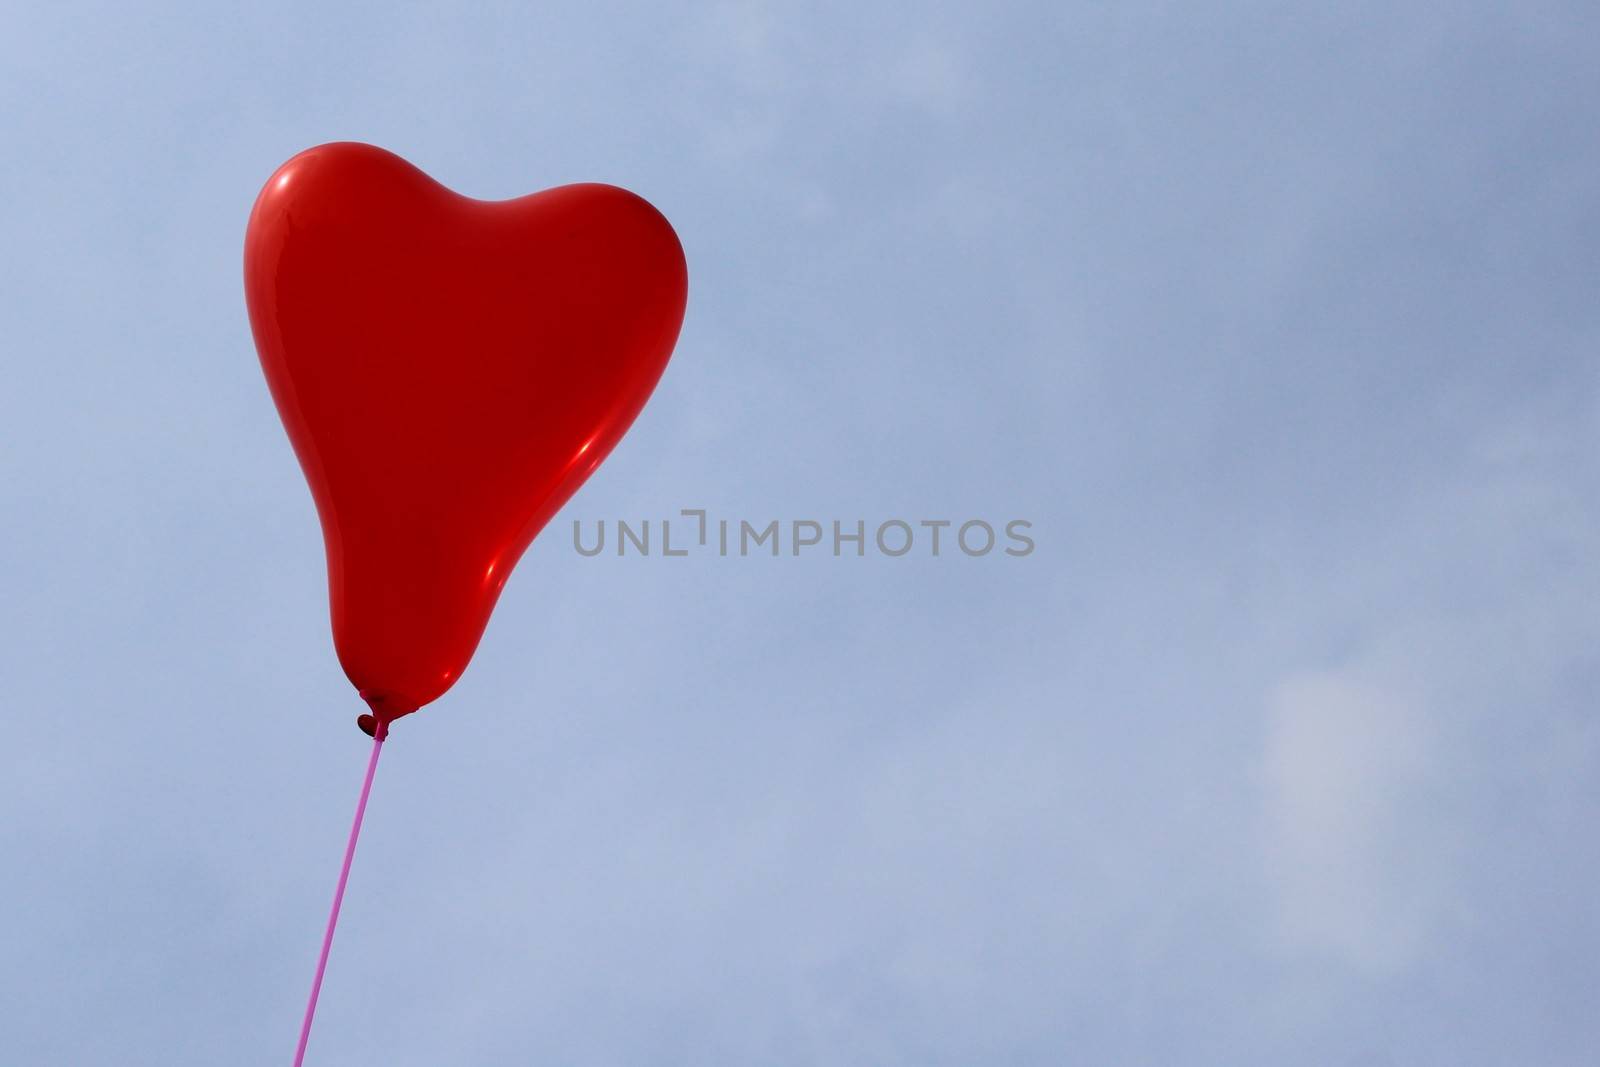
[1278,323]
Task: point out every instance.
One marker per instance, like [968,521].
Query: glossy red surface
[449,371]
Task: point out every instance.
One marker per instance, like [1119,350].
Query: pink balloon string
[338,894]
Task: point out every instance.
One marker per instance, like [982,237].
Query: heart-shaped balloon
[449,371]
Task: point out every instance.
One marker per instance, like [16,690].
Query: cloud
[1353,851]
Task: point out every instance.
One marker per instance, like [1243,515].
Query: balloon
[449,372]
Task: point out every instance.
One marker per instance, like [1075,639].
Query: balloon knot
[373,727]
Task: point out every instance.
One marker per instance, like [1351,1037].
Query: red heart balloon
[449,371]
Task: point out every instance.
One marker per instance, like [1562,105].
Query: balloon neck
[376,725]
